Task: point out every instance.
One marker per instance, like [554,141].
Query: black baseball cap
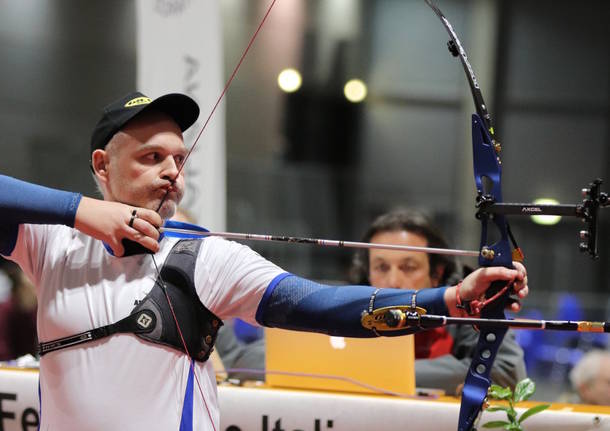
[180,107]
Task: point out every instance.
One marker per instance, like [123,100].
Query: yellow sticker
[138,101]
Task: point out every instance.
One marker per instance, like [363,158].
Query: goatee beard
[167,210]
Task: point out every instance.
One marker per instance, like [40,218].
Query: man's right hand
[110,222]
[477,282]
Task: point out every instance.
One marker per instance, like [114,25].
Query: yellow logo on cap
[138,101]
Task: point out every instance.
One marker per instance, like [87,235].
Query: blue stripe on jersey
[170,224]
[186,422]
[39,405]
[268,291]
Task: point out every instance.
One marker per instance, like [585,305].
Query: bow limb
[488,174]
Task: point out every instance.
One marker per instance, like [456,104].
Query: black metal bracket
[593,200]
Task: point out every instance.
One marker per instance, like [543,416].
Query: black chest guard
[153,320]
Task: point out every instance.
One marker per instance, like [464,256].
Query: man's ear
[585,393]
[99,164]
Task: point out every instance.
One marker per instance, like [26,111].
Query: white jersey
[123,382]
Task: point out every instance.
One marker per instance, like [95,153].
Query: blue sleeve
[22,202]
[298,304]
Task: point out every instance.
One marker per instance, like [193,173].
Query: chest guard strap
[152,319]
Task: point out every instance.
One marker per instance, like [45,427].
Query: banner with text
[179,49]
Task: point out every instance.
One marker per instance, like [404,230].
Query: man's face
[400,269]
[598,390]
[142,160]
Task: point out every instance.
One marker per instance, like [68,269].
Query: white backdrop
[179,49]
[258,409]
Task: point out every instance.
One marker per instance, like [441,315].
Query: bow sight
[488,174]
[593,200]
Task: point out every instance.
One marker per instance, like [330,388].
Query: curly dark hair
[410,221]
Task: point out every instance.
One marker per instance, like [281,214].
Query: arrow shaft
[323,242]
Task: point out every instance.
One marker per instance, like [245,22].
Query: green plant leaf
[532,411]
[497,409]
[512,415]
[500,393]
[513,427]
[524,389]
[495,424]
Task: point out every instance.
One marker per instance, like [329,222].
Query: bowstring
[222,94]
[207,121]
[191,361]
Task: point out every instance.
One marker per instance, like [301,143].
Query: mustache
[168,186]
[166,189]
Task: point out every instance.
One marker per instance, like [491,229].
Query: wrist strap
[474,307]
[465,307]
